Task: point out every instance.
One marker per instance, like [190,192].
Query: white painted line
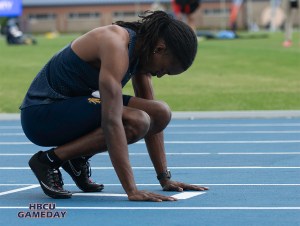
[11,134]
[182,195]
[14,168]
[131,154]
[234,132]
[259,153]
[211,167]
[200,132]
[195,142]
[18,190]
[187,195]
[10,127]
[17,184]
[287,185]
[230,142]
[176,208]
[177,167]
[14,207]
[204,184]
[168,153]
[174,153]
[237,125]
[15,143]
[162,208]
[100,194]
[210,125]
[184,208]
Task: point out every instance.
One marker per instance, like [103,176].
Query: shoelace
[86,167]
[55,178]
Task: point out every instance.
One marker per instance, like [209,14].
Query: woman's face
[162,62]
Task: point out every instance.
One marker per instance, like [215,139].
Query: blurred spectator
[14,36]
[186,8]
[235,8]
[291,10]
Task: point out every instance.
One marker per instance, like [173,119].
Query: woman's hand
[149,196]
[169,185]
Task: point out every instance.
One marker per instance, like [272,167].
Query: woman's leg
[63,124]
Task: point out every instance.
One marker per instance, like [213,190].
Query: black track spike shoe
[49,178]
[80,171]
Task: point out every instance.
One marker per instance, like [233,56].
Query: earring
[154,52]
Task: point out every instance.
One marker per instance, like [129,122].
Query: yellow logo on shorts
[94,100]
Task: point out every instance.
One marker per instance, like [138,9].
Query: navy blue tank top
[66,76]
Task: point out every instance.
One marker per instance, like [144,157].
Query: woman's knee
[161,116]
[136,124]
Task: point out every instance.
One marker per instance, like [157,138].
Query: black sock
[50,158]
[87,157]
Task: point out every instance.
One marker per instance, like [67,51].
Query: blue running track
[252,167]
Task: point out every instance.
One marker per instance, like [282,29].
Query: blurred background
[80,16]
[248,58]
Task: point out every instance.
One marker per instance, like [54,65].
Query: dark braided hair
[179,38]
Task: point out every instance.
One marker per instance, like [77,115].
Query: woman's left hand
[169,185]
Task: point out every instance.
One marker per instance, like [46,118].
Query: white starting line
[18,190]
[195,142]
[181,195]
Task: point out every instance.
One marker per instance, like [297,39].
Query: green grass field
[242,74]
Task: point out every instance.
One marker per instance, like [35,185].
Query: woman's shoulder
[110,32]
[101,39]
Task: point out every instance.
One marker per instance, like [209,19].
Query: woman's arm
[113,53]
[155,142]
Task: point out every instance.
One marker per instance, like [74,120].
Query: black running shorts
[60,122]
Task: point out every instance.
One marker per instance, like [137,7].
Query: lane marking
[174,153]
[237,125]
[204,184]
[287,185]
[164,208]
[187,195]
[179,208]
[180,196]
[16,143]
[229,142]
[200,132]
[193,142]
[100,194]
[259,153]
[234,132]
[18,190]
[10,127]
[106,154]
[12,134]
[210,125]
[177,167]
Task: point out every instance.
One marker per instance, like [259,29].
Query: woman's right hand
[149,196]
